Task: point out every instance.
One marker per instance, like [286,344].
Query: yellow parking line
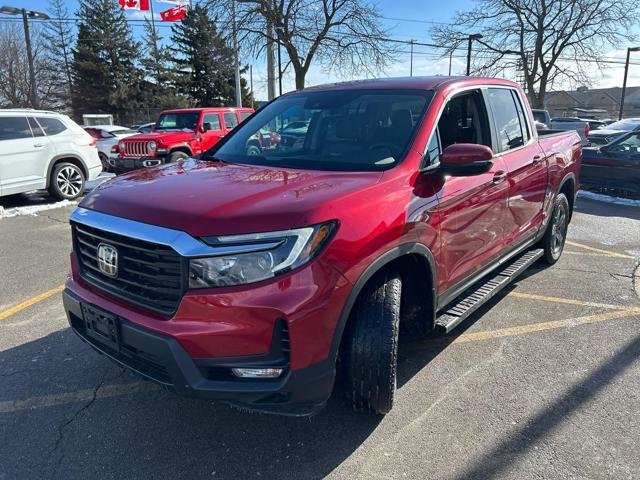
[568,301]
[586,254]
[605,253]
[107,391]
[32,301]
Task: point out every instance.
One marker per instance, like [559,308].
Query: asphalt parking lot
[543,383]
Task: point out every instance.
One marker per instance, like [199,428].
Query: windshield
[626,125]
[347,130]
[178,121]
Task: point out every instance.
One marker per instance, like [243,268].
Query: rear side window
[505,119]
[12,128]
[35,128]
[230,120]
[523,121]
[51,126]
[213,119]
[244,115]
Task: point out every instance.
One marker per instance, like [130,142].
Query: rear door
[524,159]
[21,156]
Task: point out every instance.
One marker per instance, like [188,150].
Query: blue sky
[405,19]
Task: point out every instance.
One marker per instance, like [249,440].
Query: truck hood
[169,137]
[205,198]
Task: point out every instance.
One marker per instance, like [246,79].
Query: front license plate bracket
[102,326]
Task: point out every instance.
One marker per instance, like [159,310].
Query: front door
[471,209]
[214,131]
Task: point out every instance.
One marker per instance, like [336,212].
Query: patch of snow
[628,202]
[33,209]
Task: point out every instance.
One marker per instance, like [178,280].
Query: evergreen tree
[58,36]
[106,78]
[203,61]
[159,91]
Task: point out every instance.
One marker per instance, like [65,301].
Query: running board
[481,292]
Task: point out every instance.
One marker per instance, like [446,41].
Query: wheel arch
[568,187]
[184,148]
[77,161]
[416,255]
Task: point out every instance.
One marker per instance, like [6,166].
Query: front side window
[13,128]
[230,120]
[464,120]
[348,130]
[213,119]
[51,126]
[506,119]
[177,121]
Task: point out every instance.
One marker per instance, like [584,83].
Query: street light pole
[236,61]
[26,15]
[624,82]
[412,41]
[279,67]
[471,38]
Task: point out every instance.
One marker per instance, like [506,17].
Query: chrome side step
[480,293]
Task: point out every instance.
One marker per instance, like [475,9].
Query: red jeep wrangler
[177,134]
[392,203]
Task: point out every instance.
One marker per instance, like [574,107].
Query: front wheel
[175,156]
[371,350]
[67,181]
[556,234]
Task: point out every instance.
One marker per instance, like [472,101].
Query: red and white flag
[134,4]
[174,13]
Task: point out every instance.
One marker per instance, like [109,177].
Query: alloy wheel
[69,181]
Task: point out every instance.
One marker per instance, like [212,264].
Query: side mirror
[604,148]
[466,159]
[206,126]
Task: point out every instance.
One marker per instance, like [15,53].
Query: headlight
[261,256]
[121,146]
[151,146]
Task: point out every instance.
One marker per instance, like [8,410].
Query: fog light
[257,372]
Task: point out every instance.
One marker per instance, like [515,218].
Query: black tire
[253,150]
[175,156]
[66,182]
[556,234]
[370,353]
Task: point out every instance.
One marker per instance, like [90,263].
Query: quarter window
[506,119]
[51,126]
[213,119]
[12,128]
[230,120]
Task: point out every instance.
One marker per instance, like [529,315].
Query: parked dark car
[615,166]
[613,131]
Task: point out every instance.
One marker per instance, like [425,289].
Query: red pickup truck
[177,134]
[251,277]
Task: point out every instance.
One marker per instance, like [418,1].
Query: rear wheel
[67,181]
[370,353]
[556,234]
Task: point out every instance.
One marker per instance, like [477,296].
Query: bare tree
[15,82]
[340,35]
[547,40]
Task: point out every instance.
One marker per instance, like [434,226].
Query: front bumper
[127,164]
[162,359]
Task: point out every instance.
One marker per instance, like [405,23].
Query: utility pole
[253,97]
[279,65]
[472,37]
[236,62]
[624,82]
[155,39]
[450,60]
[412,41]
[271,81]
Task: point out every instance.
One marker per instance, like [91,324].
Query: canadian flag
[134,4]
[174,13]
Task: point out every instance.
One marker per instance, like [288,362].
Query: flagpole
[155,39]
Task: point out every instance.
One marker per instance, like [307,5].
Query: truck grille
[148,274]
[136,149]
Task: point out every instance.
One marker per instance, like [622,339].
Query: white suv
[45,150]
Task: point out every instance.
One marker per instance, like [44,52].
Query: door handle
[38,145]
[536,159]
[499,176]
